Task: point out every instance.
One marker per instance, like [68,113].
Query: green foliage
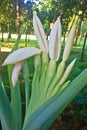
[5,108]
[48,11]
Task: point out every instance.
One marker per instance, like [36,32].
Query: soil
[74,117]
[76,125]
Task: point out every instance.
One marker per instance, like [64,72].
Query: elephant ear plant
[50,92]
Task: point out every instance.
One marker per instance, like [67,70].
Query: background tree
[18,13]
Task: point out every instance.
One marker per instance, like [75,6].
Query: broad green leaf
[5,108]
[16,108]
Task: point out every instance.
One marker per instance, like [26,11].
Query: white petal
[69,44]
[55,41]
[15,73]
[40,34]
[21,54]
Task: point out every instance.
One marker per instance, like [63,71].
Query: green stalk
[51,70]
[56,78]
[35,91]
[45,62]
[15,103]
[43,70]
[26,81]
[43,77]
[16,44]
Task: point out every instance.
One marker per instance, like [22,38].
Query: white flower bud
[40,34]
[55,41]
[69,44]
[67,72]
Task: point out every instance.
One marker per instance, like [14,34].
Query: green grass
[11,43]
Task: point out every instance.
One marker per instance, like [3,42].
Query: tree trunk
[64,37]
[9,34]
[78,32]
[17,17]
[26,33]
[1,31]
[83,49]
[47,33]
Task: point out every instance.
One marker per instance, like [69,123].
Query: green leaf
[17,41]
[16,108]
[35,93]
[55,105]
[5,109]
[16,117]
[26,81]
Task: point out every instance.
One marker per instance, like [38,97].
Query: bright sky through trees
[36,1]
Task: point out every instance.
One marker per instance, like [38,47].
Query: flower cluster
[53,49]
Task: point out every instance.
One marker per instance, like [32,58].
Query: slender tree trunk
[47,33]
[26,33]
[1,31]
[64,37]
[17,17]
[78,32]
[80,39]
[9,34]
[83,49]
